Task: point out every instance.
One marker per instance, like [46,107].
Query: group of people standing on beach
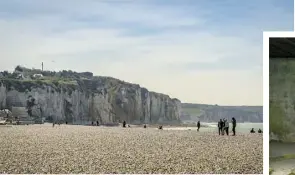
[223,126]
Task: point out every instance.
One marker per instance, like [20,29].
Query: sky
[199,51]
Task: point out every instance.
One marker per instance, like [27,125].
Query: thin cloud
[189,50]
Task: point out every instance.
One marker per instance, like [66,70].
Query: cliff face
[102,99]
[282,99]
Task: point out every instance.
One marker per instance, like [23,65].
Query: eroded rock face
[282,99]
[103,99]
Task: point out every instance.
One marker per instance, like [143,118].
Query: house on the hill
[37,76]
[20,76]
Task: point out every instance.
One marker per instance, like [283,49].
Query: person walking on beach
[97,123]
[53,124]
[124,124]
[198,125]
[220,125]
[234,122]
[226,126]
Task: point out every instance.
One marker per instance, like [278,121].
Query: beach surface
[92,149]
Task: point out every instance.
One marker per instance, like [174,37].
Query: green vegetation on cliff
[80,97]
[23,80]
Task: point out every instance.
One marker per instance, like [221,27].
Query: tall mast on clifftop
[42,66]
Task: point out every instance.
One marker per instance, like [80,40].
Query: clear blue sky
[205,51]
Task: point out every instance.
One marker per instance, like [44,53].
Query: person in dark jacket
[234,122]
[97,123]
[220,126]
[124,124]
[198,125]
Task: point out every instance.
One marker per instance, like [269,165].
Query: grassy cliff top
[24,79]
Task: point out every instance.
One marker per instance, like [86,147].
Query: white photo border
[266,36]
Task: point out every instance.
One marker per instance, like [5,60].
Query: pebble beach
[76,149]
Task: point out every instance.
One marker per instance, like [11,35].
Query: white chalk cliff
[102,99]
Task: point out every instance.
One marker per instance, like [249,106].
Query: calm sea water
[212,127]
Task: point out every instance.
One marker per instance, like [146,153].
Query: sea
[212,127]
